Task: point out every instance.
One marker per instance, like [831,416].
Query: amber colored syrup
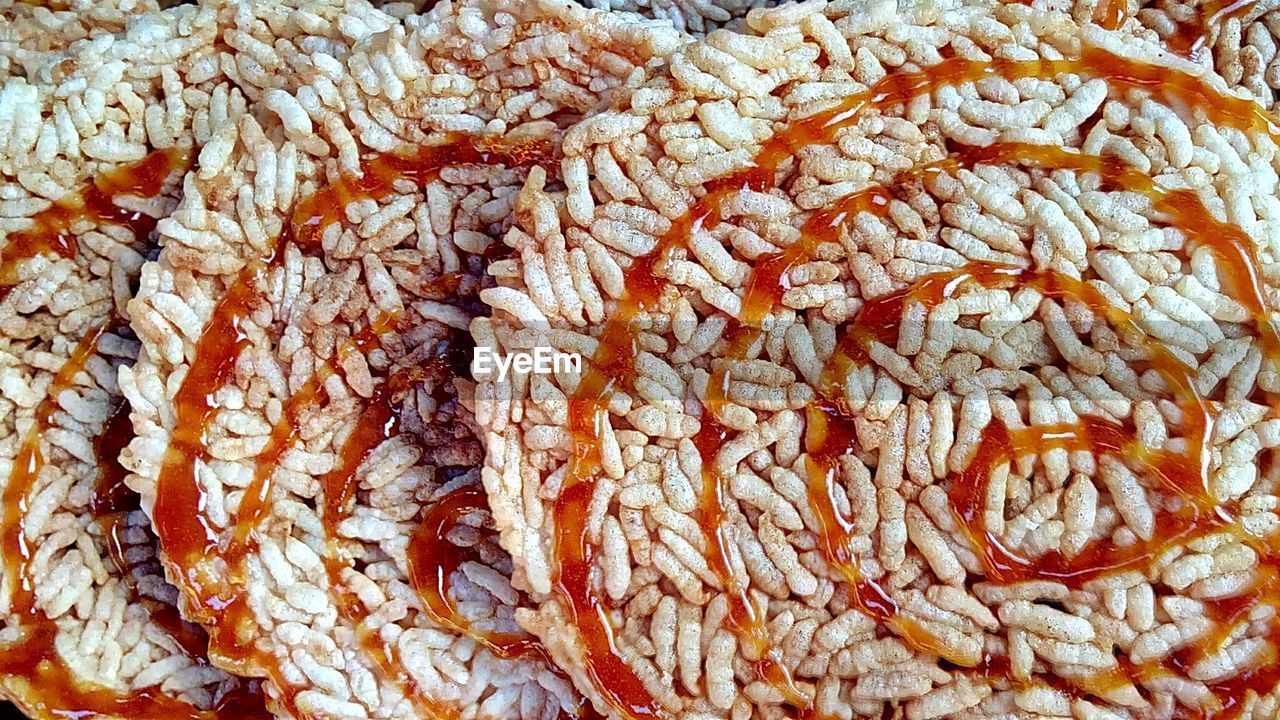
[613,366]
[178,514]
[51,230]
[768,279]
[609,672]
[745,614]
[1230,697]
[1183,208]
[111,505]
[829,435]
[51,688]
[433,560]
[55,5]
[27,466]
[31,665]
[377,423]
[256,501]
[1190,36]
[382,174]
[189,544]
[1113,14]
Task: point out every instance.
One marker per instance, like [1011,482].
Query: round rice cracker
[296,412]
[89,624]
[753,500]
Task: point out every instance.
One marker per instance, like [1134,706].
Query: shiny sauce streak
[746,616]
[111,505]
[1231,696]
[613,367]
[433,560]
[879,320]
[31,665]
[384,175]
[608,671]
[1180,473]
[829,435]
[255,503]
[190,544]
[1112,13]
[51,229]
[1191,35]
[1227,698]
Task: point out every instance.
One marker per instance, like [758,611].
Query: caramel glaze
[1113,14]
[112,504]
[383,175]
[200,563]
[31,666]
[613,367]
[255,503]
[433,560]
[51,229]
[1182,474]
[1190,36]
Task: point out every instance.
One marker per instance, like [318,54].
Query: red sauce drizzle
[384,175]
[433,560]
[1231,697]
[50,231]
[613,366]
[1190,36]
